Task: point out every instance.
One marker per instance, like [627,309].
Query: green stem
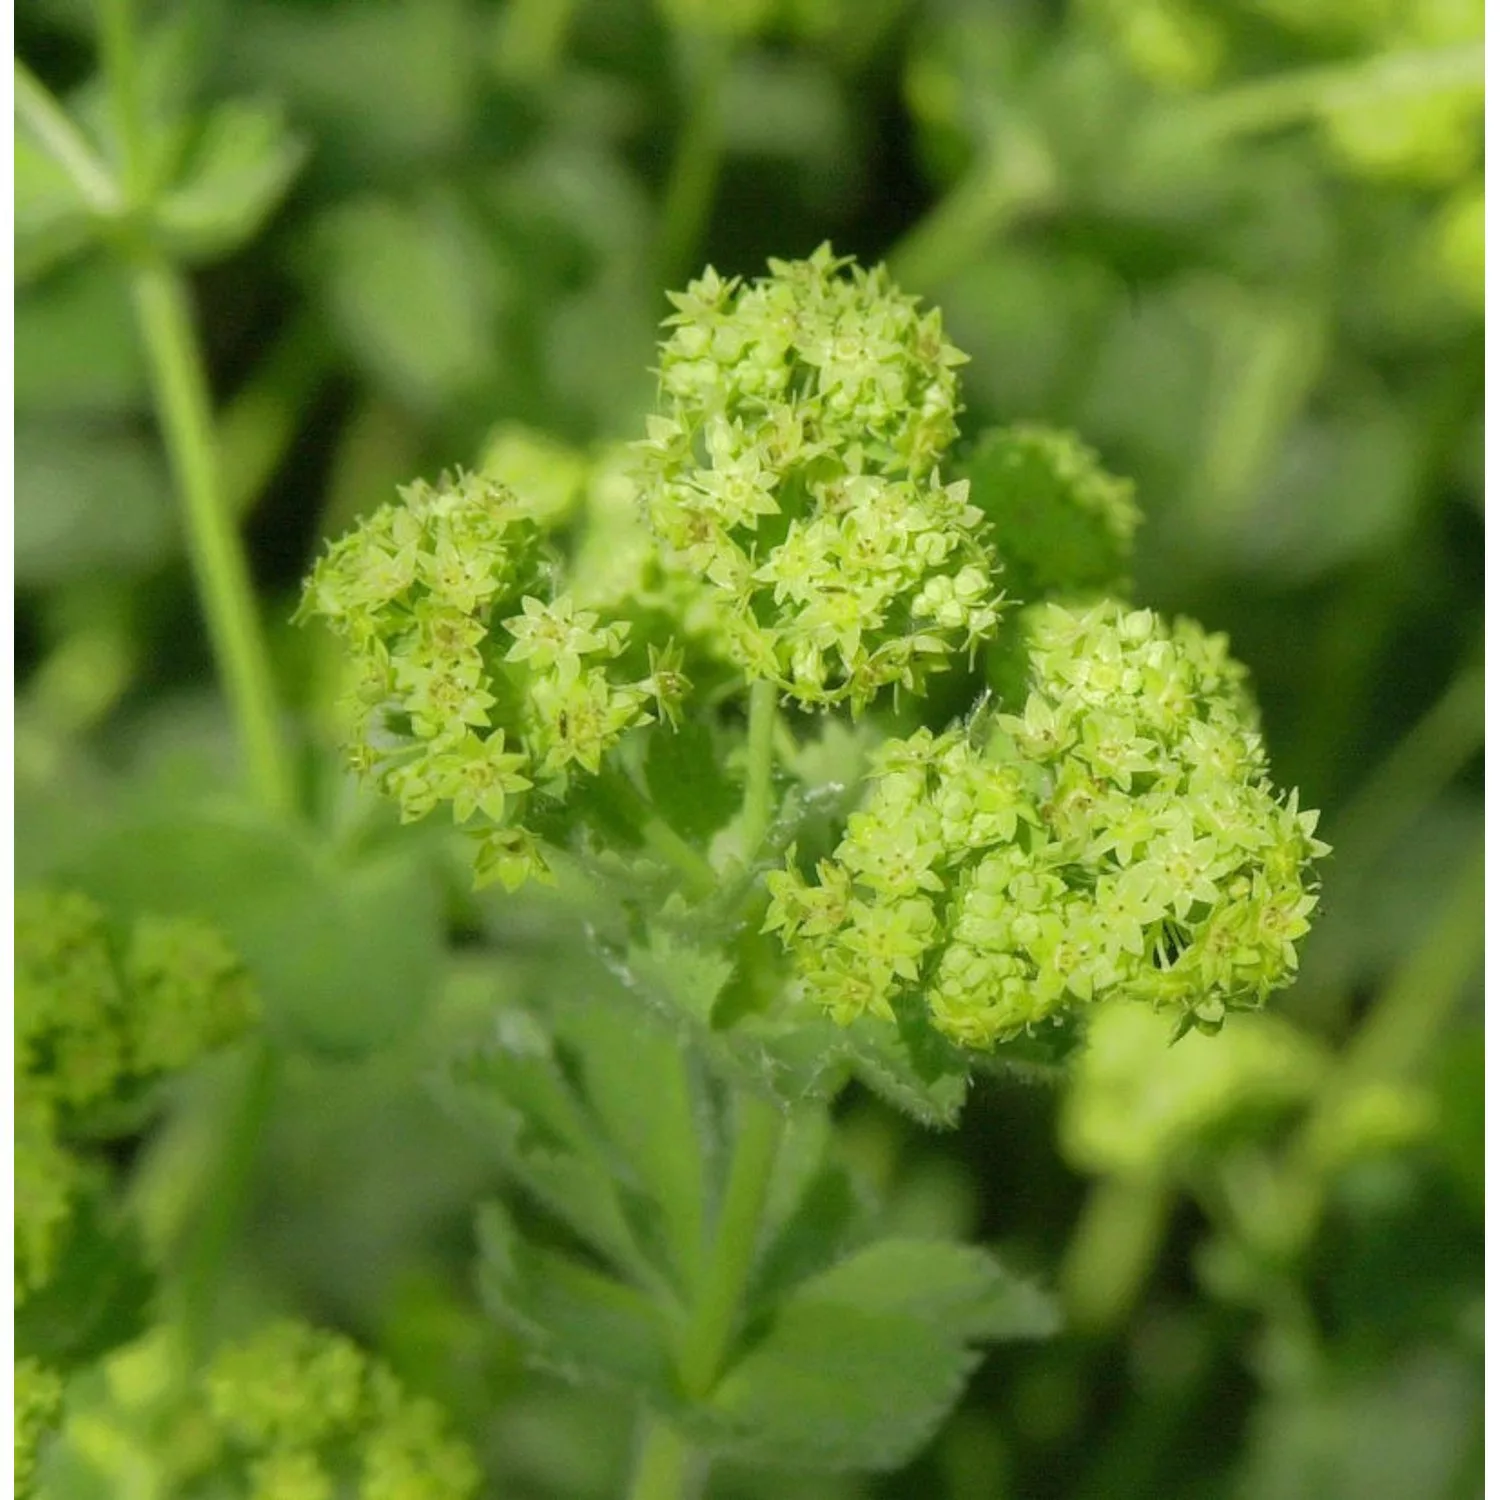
[164,313]
[1406,1019]
[664,1467]
[1412,1010]
[228,1194]
[1429,755]
[1113,1249]
[1293,97]
[64,142]
[122,72]
[1010,180]
[695,168]
[223,578]
[717,1303]
[533,39]
[761,759]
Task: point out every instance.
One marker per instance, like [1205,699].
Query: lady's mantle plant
[828,803]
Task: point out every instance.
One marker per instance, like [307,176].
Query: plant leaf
[572,1320]
[345,954]
[243,162]
[859,1366]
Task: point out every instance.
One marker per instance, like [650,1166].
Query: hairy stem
[717,1303]
[665,1465]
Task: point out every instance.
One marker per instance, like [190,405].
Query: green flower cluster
[476,684]
[1137,1106]
[1116,839]
[305,1412]
[1063,524]
[94,1020]
[794,470]
[289,1413]
[38,1404]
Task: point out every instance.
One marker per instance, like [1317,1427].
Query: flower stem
[164,313]
[717,1304]
[223,577]
[1011,179]
[664,1467]
[122,74]
[761,757]
[228,1195]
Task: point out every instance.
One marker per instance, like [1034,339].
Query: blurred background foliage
[1237,244]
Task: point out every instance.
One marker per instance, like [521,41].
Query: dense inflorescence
[793,468]
[95,1020]
[304,1411]
[1116,835]
[290,1412]
[1118,838]
[476,682]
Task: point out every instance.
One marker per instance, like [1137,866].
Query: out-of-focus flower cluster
[1118,838]
[476,683]
[290,1413]
[38,1404]
[1064,525]
[93,1021]
[793,468]
[1136,1106]
[302,1409]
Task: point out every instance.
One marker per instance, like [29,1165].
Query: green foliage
[860,1364]
[809,1380]
[235,176]
[344,945]
[1138,1104]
